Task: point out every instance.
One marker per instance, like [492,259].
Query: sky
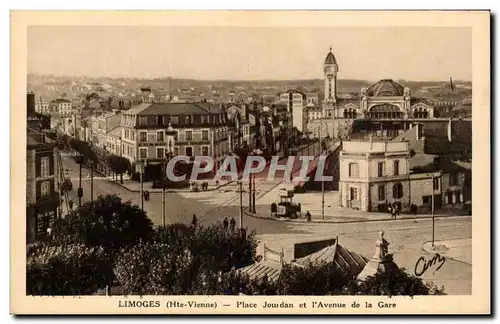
[251,53]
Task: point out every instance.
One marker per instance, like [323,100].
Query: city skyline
[220,53]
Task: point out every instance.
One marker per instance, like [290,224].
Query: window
[453,179]
[204,151]
[143,120]
[143,136]
[176,150]
[189,135]
[44,167]
[354,193]
[204,135]
[189,151]
[174,120]
[160,120]
[397,191]
[353,170]
[143,153]
[436,184]
[159,136]
[160,152]
[45,188]
[396,167]
[381,192]
[381,169]
[187,119]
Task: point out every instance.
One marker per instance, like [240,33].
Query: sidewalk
[460,249]
[135,186]
[264,212]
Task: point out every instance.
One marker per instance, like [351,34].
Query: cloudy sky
[243,53]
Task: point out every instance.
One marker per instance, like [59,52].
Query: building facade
[296,106]
[42,192]
[374,174]
[152,131]
[62,107]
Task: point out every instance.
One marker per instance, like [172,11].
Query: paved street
[406,236]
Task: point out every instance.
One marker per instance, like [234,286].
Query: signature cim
[423,265]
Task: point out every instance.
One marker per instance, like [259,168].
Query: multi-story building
[150,131]
[101,125]
[114,141]
[376,173]
[42,198]
[61,106]
[295,105]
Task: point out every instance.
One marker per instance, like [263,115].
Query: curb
[347,222]
[167,191]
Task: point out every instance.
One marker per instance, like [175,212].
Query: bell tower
[330,68]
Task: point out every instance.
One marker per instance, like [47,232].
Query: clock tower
[330,68]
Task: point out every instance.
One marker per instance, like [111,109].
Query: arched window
[353,170]
[397,191]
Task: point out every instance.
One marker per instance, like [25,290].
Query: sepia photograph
[237,168]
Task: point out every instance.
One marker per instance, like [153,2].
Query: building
[313,111]
[295,101]
[61,106]
[114,141]
[150,131]
[42,192]
[101,125]
[376,173]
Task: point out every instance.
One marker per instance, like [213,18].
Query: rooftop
[385,88]
[177,108]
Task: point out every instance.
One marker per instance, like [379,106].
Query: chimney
[449,130]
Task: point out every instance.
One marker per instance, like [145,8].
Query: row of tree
[113,243]
[90,154]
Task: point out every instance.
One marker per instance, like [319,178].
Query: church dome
[330,58]
[385,88]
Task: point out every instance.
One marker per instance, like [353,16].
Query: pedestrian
[194,222]
[70,204]
[225,223]
[232,223]
[393,210]
[308,216]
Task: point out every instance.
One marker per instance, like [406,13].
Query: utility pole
[80,190]
[141,170]
[250,192]
[432,210]
[241,204]
[91,181]
[253,196]
[322,180]
[163,207]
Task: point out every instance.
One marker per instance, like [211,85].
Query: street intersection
[406,236]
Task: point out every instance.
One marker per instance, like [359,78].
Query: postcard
[250,162]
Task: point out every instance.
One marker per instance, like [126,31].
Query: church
[384,100]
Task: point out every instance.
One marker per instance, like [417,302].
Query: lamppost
[140,169]
[241,202]
[80,190]
[432,210]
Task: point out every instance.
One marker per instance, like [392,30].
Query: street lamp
[80,190]
[140,169]
[240,183]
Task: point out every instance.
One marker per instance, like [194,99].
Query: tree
[66,270]
[118,164]
[186,260]
[400,283]
[312,279]
[106,222]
